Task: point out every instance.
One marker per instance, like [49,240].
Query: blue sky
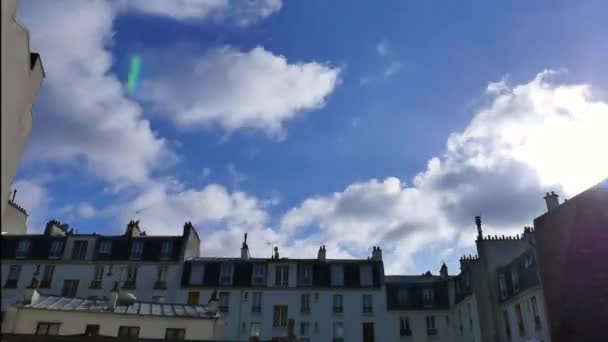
[310,122]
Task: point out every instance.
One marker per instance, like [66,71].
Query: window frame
[47,276]
[258,329]
[337,275]
[105,247]
[431,327]
[129,329]
[366,276]
[367,303]
[79,249]
[180,337]
[226,273]
[224,307]
[256,302]
[305,303]
[12,279]
[338,331]
[281,276]
[279,316]
[166,250]
[55,249]
[89,327]
[259,274]
[47,331]
[136,253]
[66,291]
[305,275]
[338,299]
[22,252]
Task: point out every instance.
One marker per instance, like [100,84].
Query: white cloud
[86,210]
[241,12]
[391,64]
[530,138]
[236,89]
[34,197]
[82,116]
[236,176]
[383,48]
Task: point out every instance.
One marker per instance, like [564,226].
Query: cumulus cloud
[82,115]
[526,140]
[235,89]
[391,63]
[238,11]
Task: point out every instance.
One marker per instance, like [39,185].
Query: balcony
[160,285]
[338,309]
[405,332]
[95,284]
[256,309]
[431,332]
[305,310]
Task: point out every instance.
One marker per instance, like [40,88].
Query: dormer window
[402,298]
[226,274]
[502,285]
[337,275]
[23,248]
[105,247]
[366,276]
[259,274]
[306,275]
[428,296]
[529,261]
[56,249]
[137,248]
[166,250]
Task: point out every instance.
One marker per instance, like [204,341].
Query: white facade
[22,76]
[14,219]
[532,325]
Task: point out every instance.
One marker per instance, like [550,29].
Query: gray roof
[411,279]
[137,308]
[227,259]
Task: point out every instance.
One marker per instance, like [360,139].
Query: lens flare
[133,73]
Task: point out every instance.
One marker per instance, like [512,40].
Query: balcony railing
[338,309]
[431,332]
[95,284]
[160,285]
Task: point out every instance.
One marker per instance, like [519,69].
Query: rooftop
[137,308]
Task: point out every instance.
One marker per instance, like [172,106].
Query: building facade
[22,75]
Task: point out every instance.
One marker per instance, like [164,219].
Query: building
[22,75]
[119,316]
[87,265]
[571,240]
[337,299]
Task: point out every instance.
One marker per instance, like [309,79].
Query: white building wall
[84,272]
[531,333]
[19,87]
[26,321]
[14,221]
[417,319]
[321,312]
[466,312]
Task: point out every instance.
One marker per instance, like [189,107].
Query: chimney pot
[552,201]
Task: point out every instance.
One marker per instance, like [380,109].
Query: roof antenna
[14,193]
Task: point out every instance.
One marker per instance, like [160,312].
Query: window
[367,303]
[304,331]
[306,275]
[404,327]
[226,274]
[91,330]
[316,327]
[97,277]
[137,248]
[279,317]
[161,277]
[515,280]
[105,247]
[49,329]
[193,297]
[197,274]
[507,324]
[430,326]
[529,261]
[224,301]
[282,276]
[520,320]
[172,334]
[166,250]
[366,276]
[259,274]
[70,288]
[47,276]
[23,248]
[161,299]
[131,280]
[402,297]
[338,303]
[502,285]
[56,249]
[535,312]
[428,296]
[338,332]
[337,275]
[254,329]
[460,321]
[13,276]
[124,331]
[305,302]
[466,280]
[79,251]
[256,302]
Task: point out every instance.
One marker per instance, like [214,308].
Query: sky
[307,123]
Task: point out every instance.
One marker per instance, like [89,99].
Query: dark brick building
[572,247]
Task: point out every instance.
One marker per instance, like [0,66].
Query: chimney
[245,249]
[276,253]
[133,229]
[443,272]
[376,253]
[552,201]
[322,254]
[30,294]
[114,296]
[478,224]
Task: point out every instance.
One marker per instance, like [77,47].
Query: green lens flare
[134,73]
